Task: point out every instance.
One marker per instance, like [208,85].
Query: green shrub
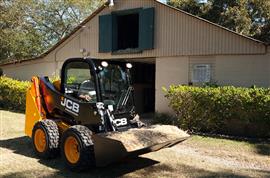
[54,78]
[230,110]
[164,118]
[13,93]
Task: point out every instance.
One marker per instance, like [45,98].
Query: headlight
[104,64]
[129,65]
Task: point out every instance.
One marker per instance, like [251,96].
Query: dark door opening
[143,77]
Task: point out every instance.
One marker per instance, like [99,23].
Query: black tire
[85,148]
[49,127]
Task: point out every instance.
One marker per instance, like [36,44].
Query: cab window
[79,82]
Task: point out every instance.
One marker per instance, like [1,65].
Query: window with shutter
[105,33]
[127,31]
[146,33]
[201,73]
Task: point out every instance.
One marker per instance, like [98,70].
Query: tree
[248,17]
[190,6]
[29,27]
[260,13]
[56,18]
[17,38]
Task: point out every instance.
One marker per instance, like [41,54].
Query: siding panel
[241,70]
[169,70]
[176,34]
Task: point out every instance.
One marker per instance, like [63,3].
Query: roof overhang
[106,4]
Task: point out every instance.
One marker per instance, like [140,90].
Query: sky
[164,1]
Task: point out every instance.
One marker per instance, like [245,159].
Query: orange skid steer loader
[89,116]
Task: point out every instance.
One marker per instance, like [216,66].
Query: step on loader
[89,116]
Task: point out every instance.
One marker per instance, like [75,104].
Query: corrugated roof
[104,6]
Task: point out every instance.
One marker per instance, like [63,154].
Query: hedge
[222,110]
[13,93]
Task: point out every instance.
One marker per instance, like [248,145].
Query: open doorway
[143,79]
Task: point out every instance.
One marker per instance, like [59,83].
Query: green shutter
[105,33]
[146,28]
[114,32]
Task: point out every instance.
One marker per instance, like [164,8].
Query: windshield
[114,84]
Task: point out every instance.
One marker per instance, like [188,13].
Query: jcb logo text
[70,105]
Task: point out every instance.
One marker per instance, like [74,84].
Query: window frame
[92,73]
[108,39]
[115,14]
[209,71]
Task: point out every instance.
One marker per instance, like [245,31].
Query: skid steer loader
[89,116]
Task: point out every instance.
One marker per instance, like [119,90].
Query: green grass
[197,157]
[255,146]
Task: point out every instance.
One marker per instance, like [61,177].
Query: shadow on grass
[157,170]
[263,149]
[230,174]
[261,145]
[19,145]
[23,146]
[137,167]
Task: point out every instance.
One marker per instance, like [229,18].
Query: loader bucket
[113,146]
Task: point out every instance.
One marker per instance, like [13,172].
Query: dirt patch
[138,138]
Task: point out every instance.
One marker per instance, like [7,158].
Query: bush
[13,93]
[226,110]
[164,118]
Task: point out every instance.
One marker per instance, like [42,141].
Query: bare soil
[196,157]
[138,138]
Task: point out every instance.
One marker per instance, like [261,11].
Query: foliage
[54,78]
[29,27]
[221,109]
[13,93]
[211,84]
[71,79]
[164,118]
[248,17]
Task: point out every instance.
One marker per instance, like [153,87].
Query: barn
[166,45]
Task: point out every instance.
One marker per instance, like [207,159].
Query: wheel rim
[40,140]
[72,150]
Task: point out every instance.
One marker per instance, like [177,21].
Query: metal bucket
[114,146]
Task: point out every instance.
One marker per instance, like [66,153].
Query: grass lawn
[196,157]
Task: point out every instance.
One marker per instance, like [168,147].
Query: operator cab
[79,81]
[99,81]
